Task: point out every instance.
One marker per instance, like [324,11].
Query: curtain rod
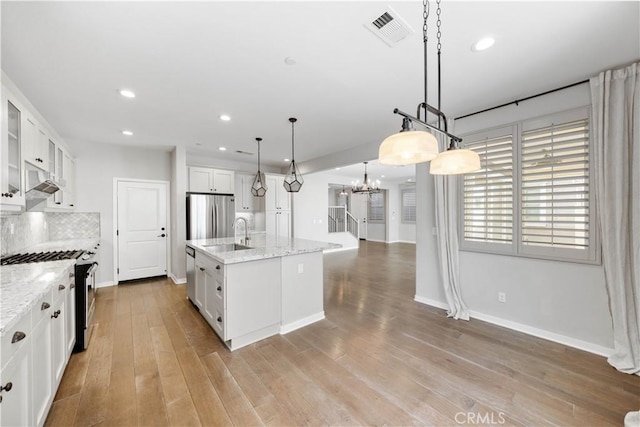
[517,101]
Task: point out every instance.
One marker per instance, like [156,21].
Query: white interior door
[142,229]
[360,212]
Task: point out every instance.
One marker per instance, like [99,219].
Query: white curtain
[446,222]
[615,97]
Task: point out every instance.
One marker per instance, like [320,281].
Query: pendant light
[343,193]
[367,187]
[293,180]
[410,146]
[259,186]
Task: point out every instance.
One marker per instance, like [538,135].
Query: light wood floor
[378,358]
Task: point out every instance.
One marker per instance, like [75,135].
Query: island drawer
[42,307]
[218,323]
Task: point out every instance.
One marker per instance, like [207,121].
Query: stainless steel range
[85,284]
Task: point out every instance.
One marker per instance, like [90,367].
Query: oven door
[90,286]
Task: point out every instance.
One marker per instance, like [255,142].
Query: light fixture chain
[425,37]
[425,15]
[438,23]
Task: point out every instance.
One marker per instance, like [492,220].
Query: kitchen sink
[229,247]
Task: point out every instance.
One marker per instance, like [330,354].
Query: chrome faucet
[246,229]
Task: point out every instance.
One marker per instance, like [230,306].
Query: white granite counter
[22,285]
[262,247]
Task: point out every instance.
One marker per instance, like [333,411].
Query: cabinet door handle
[61,287]
[217,267]
[6,387]
[18,336]
[161,235]
[55,314]
[201,269]
[58,203]
[219,288]
[72,285]
[219,319]
[72,275]
[45,305]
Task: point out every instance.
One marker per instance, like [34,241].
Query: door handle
[162,235]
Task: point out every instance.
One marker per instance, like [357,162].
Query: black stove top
[40,257]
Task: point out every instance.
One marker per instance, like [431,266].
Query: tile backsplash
[31,228]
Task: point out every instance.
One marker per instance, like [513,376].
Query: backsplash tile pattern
[67,225]
[32,228]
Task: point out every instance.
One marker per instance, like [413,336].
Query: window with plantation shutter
[554,175]
[532,196]
[409,205]
[488,193]
[376,207]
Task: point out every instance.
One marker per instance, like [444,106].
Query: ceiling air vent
[389,27]
[244,152]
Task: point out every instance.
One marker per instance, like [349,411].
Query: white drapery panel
[447,223]
[615,98]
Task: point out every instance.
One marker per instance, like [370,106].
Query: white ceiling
[189,62]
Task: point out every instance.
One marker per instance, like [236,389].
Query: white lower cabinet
[34,355]
[241,301]
[279,224]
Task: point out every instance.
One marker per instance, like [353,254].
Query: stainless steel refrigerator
[210,216]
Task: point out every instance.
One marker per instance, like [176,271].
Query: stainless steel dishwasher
[191,273]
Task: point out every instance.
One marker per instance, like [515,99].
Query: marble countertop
[262,247]
[21,285]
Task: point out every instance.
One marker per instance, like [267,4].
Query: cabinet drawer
[60,289]
[218,323]
[14,338]
[219,291]
[42,308]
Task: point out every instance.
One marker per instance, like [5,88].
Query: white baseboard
[529,330]
[105,284]
[177,281]
[431,302]
[289,327]
[402,241]
[330,251]
[374,240]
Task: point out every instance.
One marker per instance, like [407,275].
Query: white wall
[96,167]
[397,231]
[310,209]
[559,300]
[178,228]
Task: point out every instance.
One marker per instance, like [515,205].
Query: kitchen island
[265,286]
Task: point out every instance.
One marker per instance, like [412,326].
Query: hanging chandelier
[293,179]
[367,186]
[259,186]
[410,146]
[343,193]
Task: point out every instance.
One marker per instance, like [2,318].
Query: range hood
[39,187]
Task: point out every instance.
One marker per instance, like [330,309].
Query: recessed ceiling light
[127,132]
[483,44]
[127,93]
[286,160]
[289,61]
[381,176]
[409,180]
[222,148]
[225,117]
[337,169]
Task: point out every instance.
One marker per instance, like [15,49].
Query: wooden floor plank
[379,358]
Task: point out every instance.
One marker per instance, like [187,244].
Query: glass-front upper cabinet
[12,193]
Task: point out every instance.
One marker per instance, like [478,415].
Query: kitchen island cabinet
[247,295]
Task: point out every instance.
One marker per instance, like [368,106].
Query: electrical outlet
[11,228]
[300,268]
[502,297]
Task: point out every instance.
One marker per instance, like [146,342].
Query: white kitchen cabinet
[16,382]
[35,146]
[277,198]
[208,180]
[278,223]
[245,200]
[42,362]
[11,180]
[58,334]
[64,174]
[70,321]
[240,301]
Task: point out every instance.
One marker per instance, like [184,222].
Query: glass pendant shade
[455,161]
[293,179]
[259,185]
[407,148]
